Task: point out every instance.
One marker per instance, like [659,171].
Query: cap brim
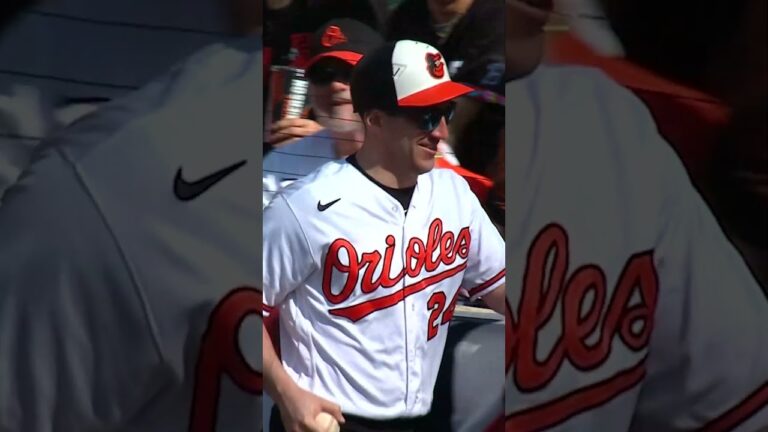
[440,93]
[348,56]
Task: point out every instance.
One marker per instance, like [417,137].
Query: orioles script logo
[440,248]
[612,315]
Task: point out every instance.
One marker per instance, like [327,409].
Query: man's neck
[346,143]
[376,166]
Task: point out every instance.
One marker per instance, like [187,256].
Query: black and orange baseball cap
[342,38]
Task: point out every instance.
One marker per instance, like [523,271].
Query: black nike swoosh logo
[324,207]
[187,191]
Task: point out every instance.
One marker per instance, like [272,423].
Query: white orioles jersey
[365,290]
[629,310]
[129,261]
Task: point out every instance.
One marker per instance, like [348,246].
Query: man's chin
[426,166]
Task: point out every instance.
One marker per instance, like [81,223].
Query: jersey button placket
[415,333]
[407,317]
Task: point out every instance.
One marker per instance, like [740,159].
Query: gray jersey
[62,58]
[130,260]
[630,310]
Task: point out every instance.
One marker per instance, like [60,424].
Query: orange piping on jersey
[584,399]
[741,412]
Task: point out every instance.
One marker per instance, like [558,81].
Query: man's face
[414,134]
[329,94]
[525,20]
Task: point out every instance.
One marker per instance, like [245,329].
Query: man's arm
[705,368]
[284,240]
[298,407]
[496,299]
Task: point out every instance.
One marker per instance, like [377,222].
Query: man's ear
[374,118]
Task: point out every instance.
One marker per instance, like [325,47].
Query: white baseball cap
[400,74]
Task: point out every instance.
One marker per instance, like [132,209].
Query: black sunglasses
[428,118]
[324,73]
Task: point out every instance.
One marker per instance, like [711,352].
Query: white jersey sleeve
[486,261]
[287,256]
[65,293]
[294,161]
[709,349]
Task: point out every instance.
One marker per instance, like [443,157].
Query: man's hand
[298,409]
[286,130]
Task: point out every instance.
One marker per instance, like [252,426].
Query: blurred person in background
[738,184]
[479,148]
[336,47]
[603,209]
[469,33]
[291,23]
[289,27]
[475,141]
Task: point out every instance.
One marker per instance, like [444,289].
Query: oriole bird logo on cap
[333,36]
[435,65]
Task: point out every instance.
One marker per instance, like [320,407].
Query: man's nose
[441,131]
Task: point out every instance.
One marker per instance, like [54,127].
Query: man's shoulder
[155,151]
[584,105]
[444,176]
[198,94]
[573,85]
[305,192]
[301,156]
[580,135]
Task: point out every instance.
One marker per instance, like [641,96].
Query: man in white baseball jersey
[129,261]
[629,310]
[365,257]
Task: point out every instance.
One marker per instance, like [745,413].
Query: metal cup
[288,90]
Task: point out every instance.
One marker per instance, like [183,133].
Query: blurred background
[700,67]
